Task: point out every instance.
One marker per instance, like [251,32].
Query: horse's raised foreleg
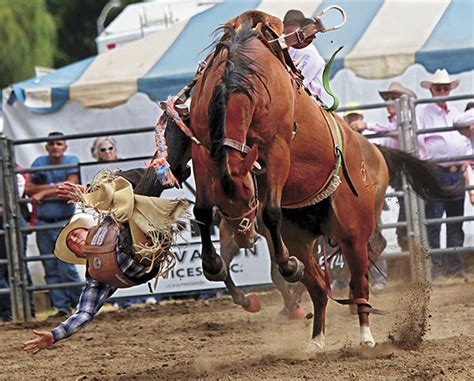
[291,268]
[229,250]
[277,174]
[212,265]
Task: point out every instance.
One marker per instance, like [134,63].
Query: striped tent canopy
[381,39]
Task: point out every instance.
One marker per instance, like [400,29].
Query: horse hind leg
[313,280]
[301,243]
[356,255]
[293,310]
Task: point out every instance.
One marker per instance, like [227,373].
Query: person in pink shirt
[444,145]
[466,119]
[305,55]
[393,93]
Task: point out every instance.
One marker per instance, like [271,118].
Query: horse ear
[250,159]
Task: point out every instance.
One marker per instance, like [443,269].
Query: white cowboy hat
[396,89]
[357,111]
[61,250]
[440,77]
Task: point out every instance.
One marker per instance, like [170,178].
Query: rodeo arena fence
[416,223]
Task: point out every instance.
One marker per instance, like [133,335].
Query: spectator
[393,93]
[104,149]
[5,302]
[466,119]
[305,55]
[41,187]
[443,145]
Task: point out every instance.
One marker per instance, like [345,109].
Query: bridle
[243,223]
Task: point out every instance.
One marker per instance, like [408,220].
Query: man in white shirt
[444,145]
[305,55]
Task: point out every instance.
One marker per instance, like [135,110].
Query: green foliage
[28,39]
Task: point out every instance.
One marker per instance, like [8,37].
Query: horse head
[236,196]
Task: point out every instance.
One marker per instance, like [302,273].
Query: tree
[28,39]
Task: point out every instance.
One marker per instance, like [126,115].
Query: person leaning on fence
[466,122]
[41,187]
[104,149]
[394,92]
[305,55]
[129,246]
[444,145]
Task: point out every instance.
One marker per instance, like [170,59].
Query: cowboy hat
[61,250]
[440,77]
[395,89]
[296,16]
[349,112]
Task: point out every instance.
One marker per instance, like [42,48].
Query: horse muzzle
[243,228]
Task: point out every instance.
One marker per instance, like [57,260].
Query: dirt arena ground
[217,340]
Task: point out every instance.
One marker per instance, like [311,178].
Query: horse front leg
[229,250]
[212,265]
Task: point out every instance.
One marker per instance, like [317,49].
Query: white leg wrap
[366,336]
[316,345]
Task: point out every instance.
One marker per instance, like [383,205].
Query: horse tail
[217,117]
[421,175]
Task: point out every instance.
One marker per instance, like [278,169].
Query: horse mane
[240,69]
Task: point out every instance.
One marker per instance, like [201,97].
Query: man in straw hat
[129,246]
[394,92]
[444,145]
[305,55]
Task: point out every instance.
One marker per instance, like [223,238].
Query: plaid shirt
[93,296]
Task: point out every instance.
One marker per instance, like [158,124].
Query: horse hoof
[367,344]
[316,345]
[297,275]
[366,338]
[254,303]
[298,314]
[220,276]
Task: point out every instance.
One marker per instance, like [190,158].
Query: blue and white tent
[381,39]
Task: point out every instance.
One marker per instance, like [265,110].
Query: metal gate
[416,222]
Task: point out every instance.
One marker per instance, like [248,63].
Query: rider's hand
[44,340]
[69,190]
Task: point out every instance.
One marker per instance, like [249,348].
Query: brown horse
[246,97]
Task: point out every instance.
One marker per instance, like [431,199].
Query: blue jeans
[57,271]
[447,264]
[401,231]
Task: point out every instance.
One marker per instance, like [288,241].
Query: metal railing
[415,223]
